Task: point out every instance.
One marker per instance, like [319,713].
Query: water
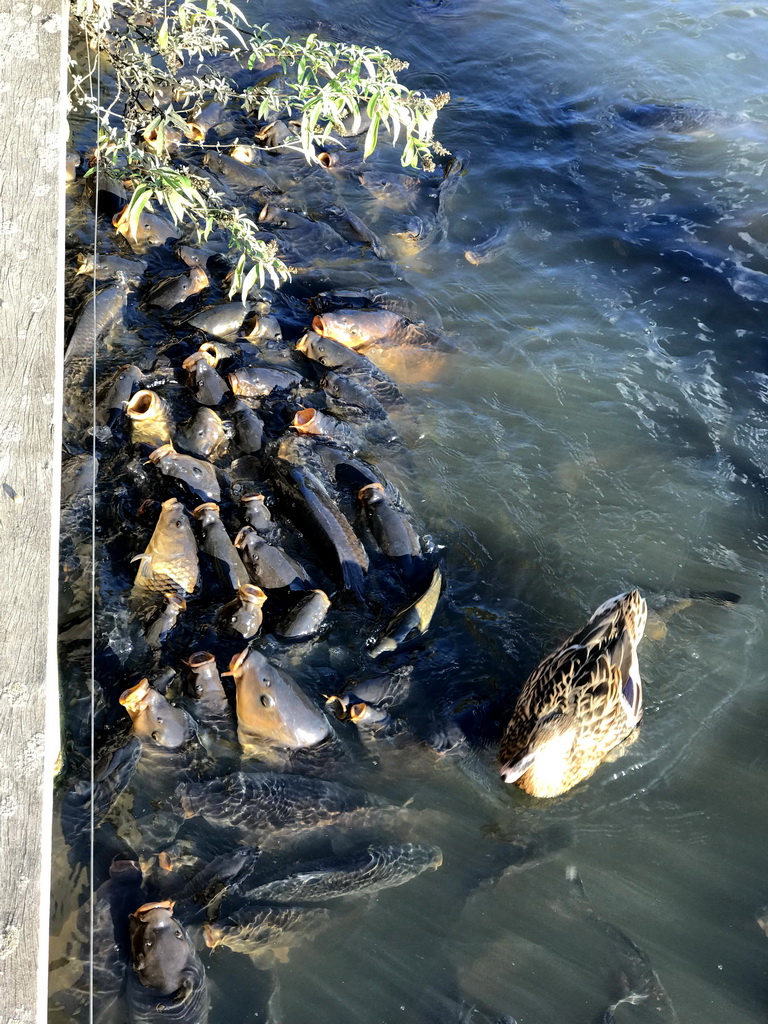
[602,426]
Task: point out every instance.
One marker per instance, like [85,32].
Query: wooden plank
[32,38]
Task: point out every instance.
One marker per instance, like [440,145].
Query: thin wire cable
[91,858]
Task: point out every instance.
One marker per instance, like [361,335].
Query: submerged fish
[371,870]
[263,931]
[273,802]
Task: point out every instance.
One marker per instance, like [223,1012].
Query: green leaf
[371,136]
[141,196]
[162,35]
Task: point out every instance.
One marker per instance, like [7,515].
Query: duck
[582,700]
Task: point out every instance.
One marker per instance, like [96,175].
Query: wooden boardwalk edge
[32,148]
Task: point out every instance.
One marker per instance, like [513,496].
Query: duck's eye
[266,700]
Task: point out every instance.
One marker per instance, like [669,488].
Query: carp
[150,418]
[203,434]
[147,231]
[260,381]
[272,711]
[166,620]
[168,981]
[207,386]
[271,803]
[412,621]
[170,560]
[306,618]
[244,614]
[268,565]
[221,321]
[98,314]
[198,476]
[153,719]
[216,544]
[176,290]
[117,396]
[370,870]
[266,932]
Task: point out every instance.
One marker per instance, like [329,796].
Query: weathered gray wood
[31,237]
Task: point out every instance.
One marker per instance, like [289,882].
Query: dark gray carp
[349,363]
[350,227]
[220,877]
[380,691]
[272,711]
[264,329]
[389,525]
[412,621]
[256,513]
[266,933]
[210,707]
[99,313]
[306,618]
[268,565]
[271,803]
[348,397]
[117,396]
[249,427]
[158,630]
[322,424]
[312,508]
[154,720]
[216,544]
[170,560]
[640,981]
[260,381]
[395,191]
[168,981]
[106,267]
[203,435]
[369,871]
[85,800]
[172,292]
[221,321]
[150,418]
[207,386]
[102,930]
[235,172]
[244,615]
[207,687]
[199,477]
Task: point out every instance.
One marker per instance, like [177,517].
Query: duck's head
[546,766]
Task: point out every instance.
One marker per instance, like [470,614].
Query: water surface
[601,426]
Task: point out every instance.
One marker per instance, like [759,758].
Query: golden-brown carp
[170,560]
[150,419]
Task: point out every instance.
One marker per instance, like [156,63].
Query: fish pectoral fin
[145,569]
